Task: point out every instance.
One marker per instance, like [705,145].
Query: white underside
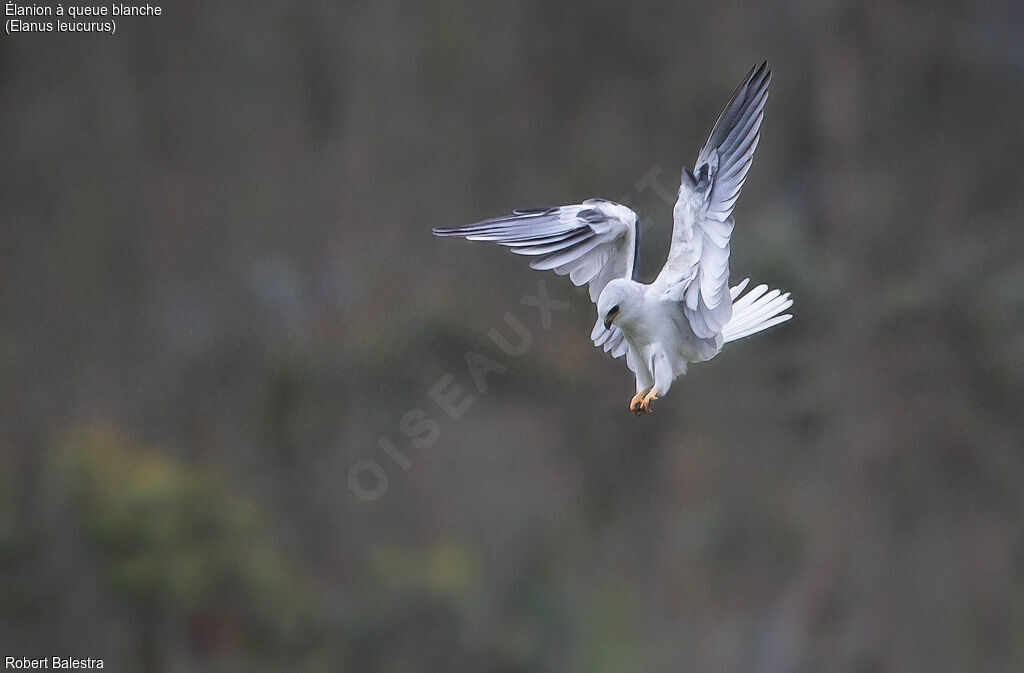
[661,342]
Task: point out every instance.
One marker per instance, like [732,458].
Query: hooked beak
[610,317]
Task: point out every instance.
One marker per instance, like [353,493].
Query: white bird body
[659,337]
[689,312]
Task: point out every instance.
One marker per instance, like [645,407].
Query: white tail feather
[757,310]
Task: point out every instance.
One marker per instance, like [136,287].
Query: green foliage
[176,541]
[446,568]
[608,630]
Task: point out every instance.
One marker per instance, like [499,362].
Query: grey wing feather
[729,150]
[697,271]
[593,243]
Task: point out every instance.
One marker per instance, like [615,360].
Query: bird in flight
[689,312]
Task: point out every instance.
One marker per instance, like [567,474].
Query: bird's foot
[645,404]
[634,404]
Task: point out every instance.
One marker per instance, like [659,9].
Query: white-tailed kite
[689,312]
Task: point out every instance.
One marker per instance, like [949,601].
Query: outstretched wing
[593,243]
[697,270]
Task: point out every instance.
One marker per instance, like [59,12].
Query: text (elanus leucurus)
[689,312]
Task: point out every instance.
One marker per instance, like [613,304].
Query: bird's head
[619,302]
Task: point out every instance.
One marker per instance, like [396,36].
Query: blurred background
[220,292]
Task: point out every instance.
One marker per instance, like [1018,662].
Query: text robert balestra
[51,663]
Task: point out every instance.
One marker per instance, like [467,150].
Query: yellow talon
[645,404]
[634,404]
